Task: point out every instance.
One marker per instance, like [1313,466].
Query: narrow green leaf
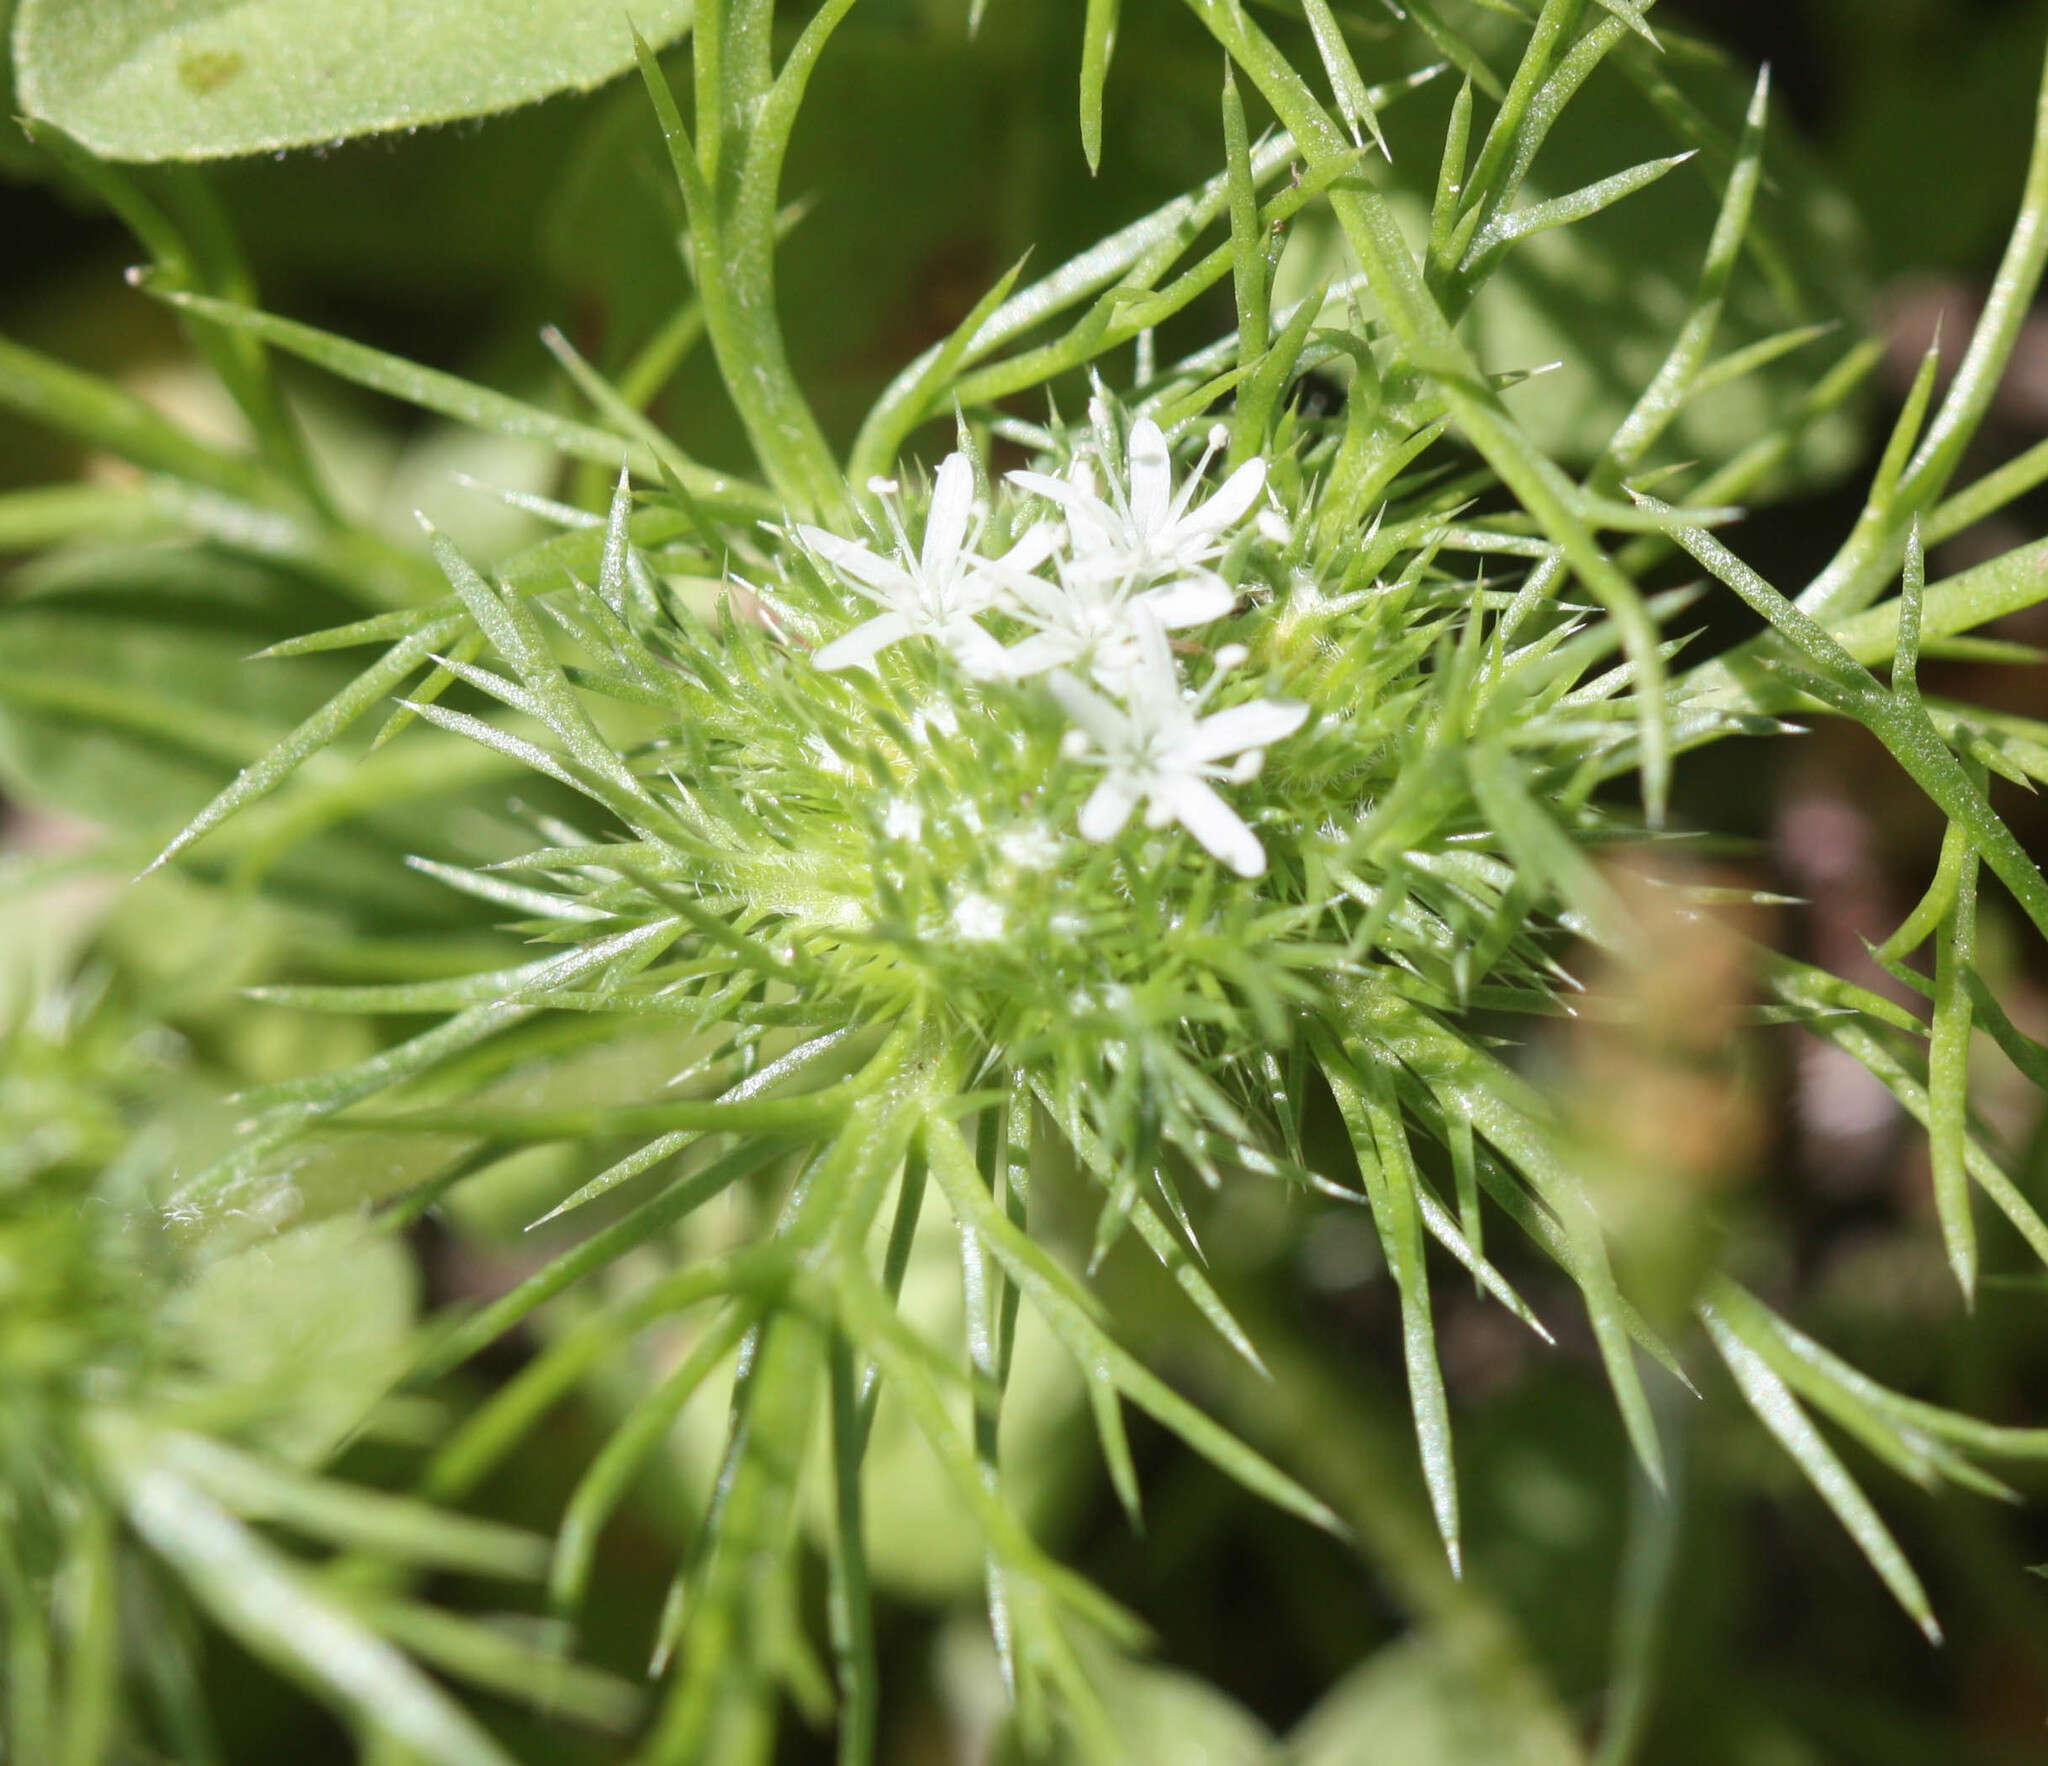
[1912,593]
[1948,1076]
[1898,449]
[1168,230]
[2004,1194]
[850,1602]
[49,515]
[629,421]
[1965,1431]
[907,1364]
[394,1527]
[1259,400]
[508,622]
[1249,270]
[1098,44]
[605,1246]
[494,1428]
[1932,909]
[465,402]
[1447,1233]
[1465,1174]
[258,1599]
[1354,102]
[1543,848]
[1445,206]
[1562,211]
[1513,1117]
[1070,1313]
[611,1472]
[1725,370]
[1991,493]
[103,415]
[1680,378]
[1902,727]
[1105,1406]
[91,1605]
[1779,1412]
[675,134]
[317,732]
[666,1146]
[1863,1408]
[1630,12]
[1455,47]
[890,423]
[494,1659]
[1372,1112]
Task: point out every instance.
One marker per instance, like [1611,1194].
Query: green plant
[832,780]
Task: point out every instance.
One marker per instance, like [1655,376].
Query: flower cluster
[1094,592]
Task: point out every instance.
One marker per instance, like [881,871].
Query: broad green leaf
[199,79]
[302,1332]
[1417,1701]
[1162,1714]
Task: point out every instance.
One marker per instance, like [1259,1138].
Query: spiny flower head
[1127,570]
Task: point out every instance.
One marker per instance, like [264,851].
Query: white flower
[978,919]
[1092,621]
[1031,846]
[1158,750]
[1144,530]
[934,592]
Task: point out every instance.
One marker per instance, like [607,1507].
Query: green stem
[853,1617]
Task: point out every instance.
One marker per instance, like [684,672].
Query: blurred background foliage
[1744,1624]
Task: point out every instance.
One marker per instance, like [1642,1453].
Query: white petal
[1257,725]
[1036,654]
[1099,538]
[1088,708]
[975,651]
[1158,679]
[1094,529]
[1228,506]
[1038,543]
[1151,477]
[1108,807]
[1040,602]
[1218,827]
[854,560]
[1056,490]
[945,523]
[860,644]
[1194,600]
